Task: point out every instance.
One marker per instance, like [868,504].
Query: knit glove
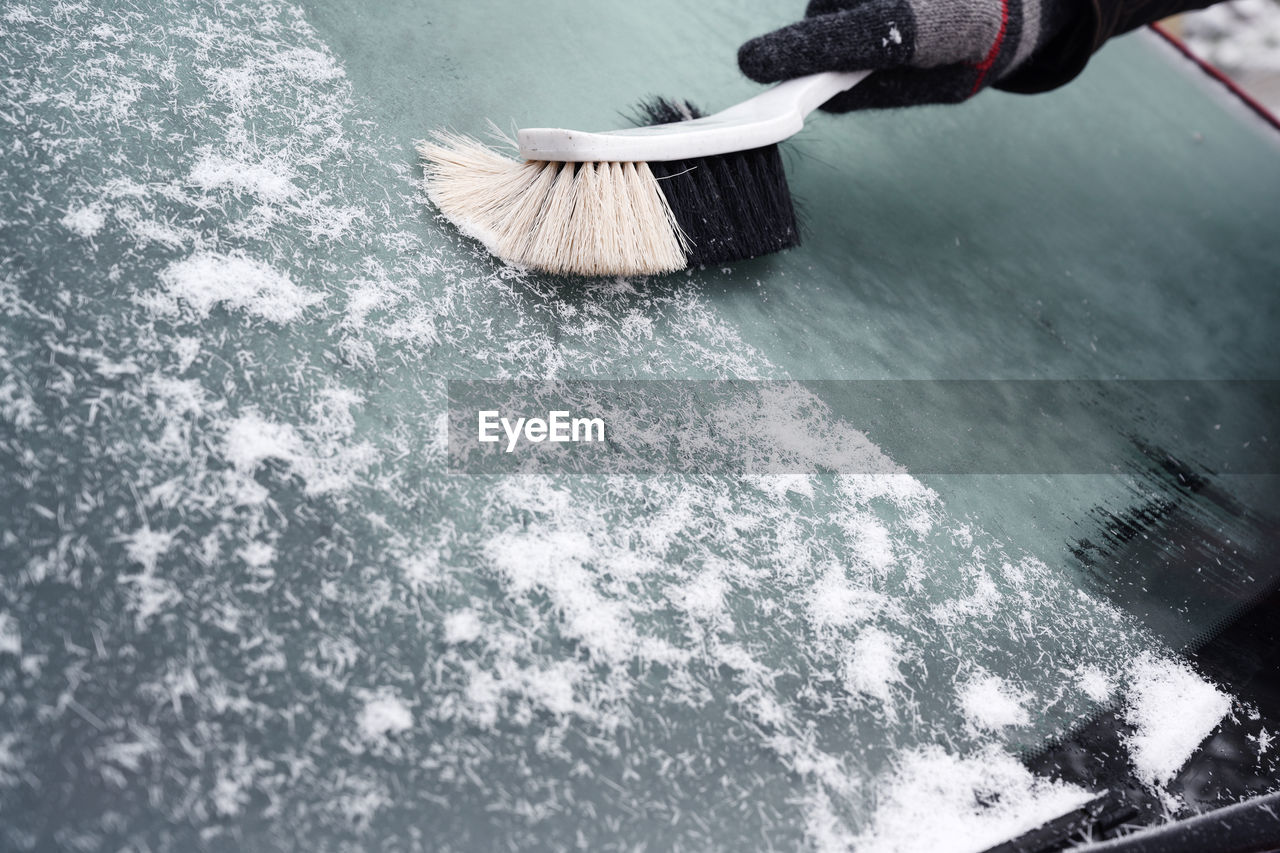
[924,51]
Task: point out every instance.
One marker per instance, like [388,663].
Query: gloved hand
[929,51]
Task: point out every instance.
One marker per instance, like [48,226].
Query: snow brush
[682,191]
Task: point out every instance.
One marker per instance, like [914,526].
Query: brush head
[599,219]
[730,206]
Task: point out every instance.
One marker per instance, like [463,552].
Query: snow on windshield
[244,601]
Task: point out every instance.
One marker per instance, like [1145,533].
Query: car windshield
[249,599]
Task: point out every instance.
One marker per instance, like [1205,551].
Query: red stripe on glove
[985,65]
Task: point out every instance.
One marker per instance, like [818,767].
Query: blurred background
[1241,38]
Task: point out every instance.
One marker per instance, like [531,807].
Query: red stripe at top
[985,65]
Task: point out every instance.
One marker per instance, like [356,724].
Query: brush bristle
[730,206]
[566,218]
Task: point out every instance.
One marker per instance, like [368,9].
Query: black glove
[930,51]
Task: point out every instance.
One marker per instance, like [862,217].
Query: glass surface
[244,605]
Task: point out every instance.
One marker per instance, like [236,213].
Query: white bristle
[592,219]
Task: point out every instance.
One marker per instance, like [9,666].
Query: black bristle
[660,110]
[730,206]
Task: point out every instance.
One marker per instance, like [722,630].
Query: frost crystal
[1173,710]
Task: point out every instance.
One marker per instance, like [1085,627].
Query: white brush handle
[768,118]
